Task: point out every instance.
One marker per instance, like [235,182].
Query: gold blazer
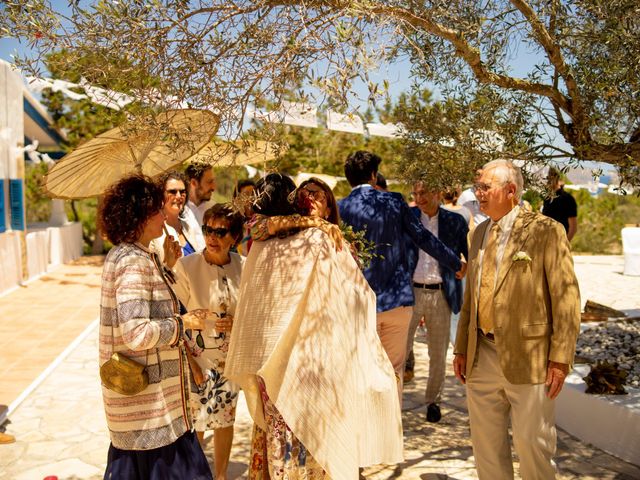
[536,300]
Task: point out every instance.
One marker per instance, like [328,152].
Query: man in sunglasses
[202,184]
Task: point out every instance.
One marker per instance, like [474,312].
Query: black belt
[428,286]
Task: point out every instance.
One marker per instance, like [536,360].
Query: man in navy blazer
[388,222]
[437,291]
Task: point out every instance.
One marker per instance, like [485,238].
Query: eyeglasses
[484,187]
[315,194]
[176,191]
[218,232]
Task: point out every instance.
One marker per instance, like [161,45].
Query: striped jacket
[137,318]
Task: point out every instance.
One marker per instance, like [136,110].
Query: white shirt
[198,210]
[464,212]
[428,269]
[198,284]
[469,200]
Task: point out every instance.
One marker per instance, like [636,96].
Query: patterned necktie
[488,281]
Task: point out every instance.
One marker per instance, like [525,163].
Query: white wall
[11,137]
[25,255]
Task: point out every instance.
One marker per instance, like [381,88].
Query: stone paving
[601,280]
[41,318]
[61,431]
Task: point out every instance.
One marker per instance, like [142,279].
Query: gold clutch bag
[123,375]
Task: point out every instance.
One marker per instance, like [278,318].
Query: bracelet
[180,330]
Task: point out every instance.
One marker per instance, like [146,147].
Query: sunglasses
[218,232]
[200,339]
[176,191]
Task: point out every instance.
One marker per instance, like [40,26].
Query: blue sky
[8,46]
[397,74]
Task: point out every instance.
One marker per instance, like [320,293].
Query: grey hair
[507,172]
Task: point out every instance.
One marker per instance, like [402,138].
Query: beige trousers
[433,307]
[492,400]
[393,329]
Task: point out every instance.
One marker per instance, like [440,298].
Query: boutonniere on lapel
[521,257]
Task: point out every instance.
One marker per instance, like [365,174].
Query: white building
[27,251]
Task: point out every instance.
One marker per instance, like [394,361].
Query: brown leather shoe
[6,438]
[408,376]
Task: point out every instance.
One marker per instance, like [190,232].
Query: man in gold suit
[518,328]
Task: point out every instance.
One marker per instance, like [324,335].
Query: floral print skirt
[277,453]
[213,404]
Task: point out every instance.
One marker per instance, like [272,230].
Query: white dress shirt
[198,210]
[428,269]
[190,229]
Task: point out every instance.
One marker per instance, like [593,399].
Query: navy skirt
[180,460]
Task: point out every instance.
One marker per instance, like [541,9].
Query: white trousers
[492,401]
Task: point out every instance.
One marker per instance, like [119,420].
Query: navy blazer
[390,224]
[452,231]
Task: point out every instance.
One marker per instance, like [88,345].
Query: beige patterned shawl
[306,324]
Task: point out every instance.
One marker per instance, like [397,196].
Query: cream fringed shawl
[306,324]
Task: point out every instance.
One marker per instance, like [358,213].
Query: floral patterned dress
[214,402]
[201,285]
[277,453]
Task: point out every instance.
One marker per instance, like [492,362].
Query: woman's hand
[172,250]
[224,324]
[333,231]
[194,320]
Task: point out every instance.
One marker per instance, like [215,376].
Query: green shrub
[37,203]
[600,220]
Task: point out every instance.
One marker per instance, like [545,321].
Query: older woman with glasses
[209,280]
[181,235]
